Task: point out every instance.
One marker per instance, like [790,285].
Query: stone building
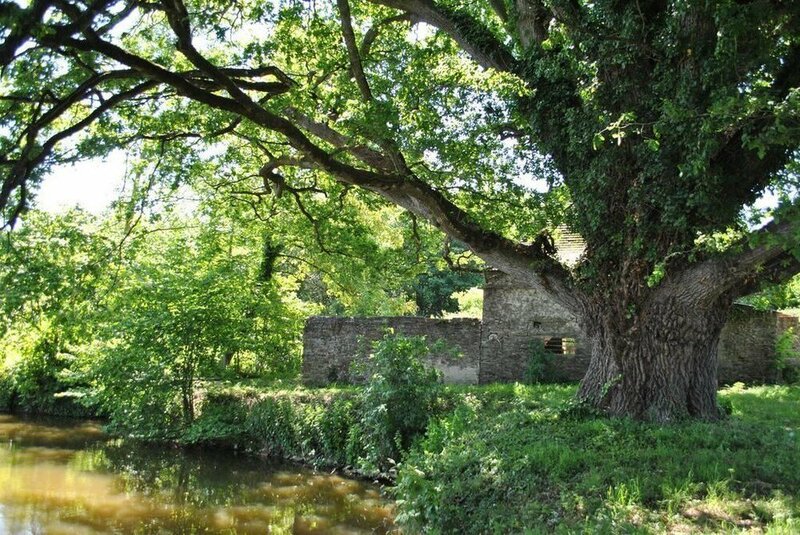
[515,317]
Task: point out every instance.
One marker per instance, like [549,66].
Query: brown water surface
[67,477]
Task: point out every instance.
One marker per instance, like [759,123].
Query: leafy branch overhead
[361,158]
[654,125]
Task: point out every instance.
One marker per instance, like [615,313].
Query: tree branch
[372,33]
[21,22]
[372,158]
[30,158]
[400,186]
[477,40]
[533,19]
[737,273]
[357,69]
[352,50]
[499,7]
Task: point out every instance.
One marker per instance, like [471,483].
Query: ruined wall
[747,345]
[515,315]
[499,349]
[330,344]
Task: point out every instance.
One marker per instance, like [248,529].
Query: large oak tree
[653,122]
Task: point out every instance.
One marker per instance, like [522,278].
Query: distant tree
[653,122]
[186,306]
[456,271]
[433,291]
[54,275]
[776,296]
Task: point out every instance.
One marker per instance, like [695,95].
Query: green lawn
[510,458]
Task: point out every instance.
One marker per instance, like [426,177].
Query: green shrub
[271,426]
[38,385]
[785,353]
[6,390]
[336,425]
[221,421]
[539,368]
[319,427]
[397,400]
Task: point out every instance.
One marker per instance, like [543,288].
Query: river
[68,477]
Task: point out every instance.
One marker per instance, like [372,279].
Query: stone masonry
[330,344]
[514,318]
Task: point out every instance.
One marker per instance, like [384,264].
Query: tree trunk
[659,365]
[187,399]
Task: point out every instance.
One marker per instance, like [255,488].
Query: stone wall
[330,344]
[747,347]
[515,317]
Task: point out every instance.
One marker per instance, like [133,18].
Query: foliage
[539,365]
[39,384]
[91,303]
[470,303]
[54,273]
[397,399]
[189,308]
[651,128]
[6,391]
[169,300]
[776,296]
[505,458]
[222,420]
[433,291]
[488,468]
[622,109]
[319,427]
[436,290]
[371,429]
[787,358]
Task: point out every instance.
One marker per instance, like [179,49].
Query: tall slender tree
[654,123]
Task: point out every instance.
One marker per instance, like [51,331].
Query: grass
[516,459]
[509,459]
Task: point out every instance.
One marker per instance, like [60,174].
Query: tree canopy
[654,125]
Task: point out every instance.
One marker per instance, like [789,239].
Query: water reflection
[66,477]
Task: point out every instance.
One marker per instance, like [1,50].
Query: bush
[539,367]
[273,427]
[6,391]
[397,400]
[318,426]
[222,421]
[38,385]
[338,437]
[371,429]
[786,356]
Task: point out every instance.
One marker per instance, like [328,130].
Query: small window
[561,346]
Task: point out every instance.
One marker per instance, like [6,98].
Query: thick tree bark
[660,365]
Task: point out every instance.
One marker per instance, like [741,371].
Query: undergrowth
[368,428]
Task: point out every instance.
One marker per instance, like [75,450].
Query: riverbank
[322,427]
[503,458]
